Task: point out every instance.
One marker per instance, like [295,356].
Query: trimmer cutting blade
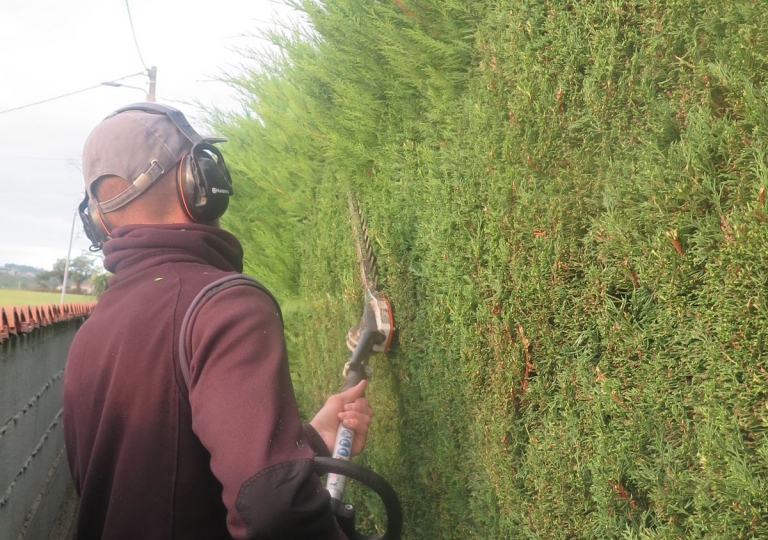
[375,302]
[372,334]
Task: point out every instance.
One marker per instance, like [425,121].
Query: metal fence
[34,477]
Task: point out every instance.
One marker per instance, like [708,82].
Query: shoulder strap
[209,290]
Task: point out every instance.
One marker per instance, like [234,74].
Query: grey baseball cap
[139,142]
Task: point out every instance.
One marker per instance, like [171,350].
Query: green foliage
[99,283]
[567,202]
[81,269]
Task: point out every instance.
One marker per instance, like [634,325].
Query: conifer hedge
[567,202]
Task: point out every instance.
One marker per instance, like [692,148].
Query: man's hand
[349,407]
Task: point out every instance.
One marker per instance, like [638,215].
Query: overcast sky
[49,48]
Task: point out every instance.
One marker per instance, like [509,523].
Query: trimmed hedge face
[567,202]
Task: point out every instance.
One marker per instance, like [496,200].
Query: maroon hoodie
[153,459]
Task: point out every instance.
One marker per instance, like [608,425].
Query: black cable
[49,99]
[130,19]
[37,158]
[68,94]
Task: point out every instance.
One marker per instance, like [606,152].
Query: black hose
[324,465]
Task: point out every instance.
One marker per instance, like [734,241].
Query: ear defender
[203,183]
[94,223]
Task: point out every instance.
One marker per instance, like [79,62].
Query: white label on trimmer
[341,450]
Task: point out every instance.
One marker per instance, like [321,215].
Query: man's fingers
[351,394]
[361,405]
[358,422]
[355,412]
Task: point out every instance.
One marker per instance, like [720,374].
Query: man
[195,435]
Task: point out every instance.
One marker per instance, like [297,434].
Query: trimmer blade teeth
[364,249]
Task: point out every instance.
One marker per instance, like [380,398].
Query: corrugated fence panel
[34,342]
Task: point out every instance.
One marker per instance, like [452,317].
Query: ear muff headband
[175,115]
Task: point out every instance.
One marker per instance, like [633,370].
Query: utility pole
[66,264]
[152,81]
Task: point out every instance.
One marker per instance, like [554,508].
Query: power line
[130,20]
[108,83]
[49,99]
[39,158]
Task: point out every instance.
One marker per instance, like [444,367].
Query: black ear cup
[204,183]
[94,225]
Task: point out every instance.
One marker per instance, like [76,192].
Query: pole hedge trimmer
[372,334]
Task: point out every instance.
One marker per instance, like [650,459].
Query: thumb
[351,394]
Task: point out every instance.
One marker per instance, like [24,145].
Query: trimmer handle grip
[354,377]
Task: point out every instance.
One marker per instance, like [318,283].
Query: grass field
[13,297]
[567,201]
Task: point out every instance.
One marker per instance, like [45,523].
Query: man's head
[145,163]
